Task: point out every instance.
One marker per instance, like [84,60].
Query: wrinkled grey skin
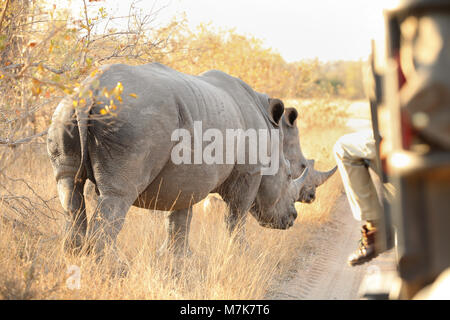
[293,153]
[128,156]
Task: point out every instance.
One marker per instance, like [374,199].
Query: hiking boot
[366,250]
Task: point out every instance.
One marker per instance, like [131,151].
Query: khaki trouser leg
[360,191]
[350,152]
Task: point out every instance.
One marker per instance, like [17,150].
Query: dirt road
[322,270]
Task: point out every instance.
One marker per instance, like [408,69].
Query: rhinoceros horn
[300,181]
[319,177]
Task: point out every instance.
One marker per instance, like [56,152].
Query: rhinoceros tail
[83,115]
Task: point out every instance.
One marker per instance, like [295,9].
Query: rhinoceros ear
[276,110]
[290,115]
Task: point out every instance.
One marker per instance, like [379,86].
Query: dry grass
[34,266]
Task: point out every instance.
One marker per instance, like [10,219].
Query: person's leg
[350,152]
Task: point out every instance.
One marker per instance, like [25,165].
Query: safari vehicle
[414,88]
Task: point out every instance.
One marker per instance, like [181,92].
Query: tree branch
[47,67]
[8,143]
[3,13]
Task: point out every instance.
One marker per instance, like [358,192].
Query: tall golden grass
[34,266]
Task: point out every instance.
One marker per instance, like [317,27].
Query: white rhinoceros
[122,140]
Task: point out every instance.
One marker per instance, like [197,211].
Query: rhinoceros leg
[72,200]
[177,224]
[235,221]
[107,222]
[239,195]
